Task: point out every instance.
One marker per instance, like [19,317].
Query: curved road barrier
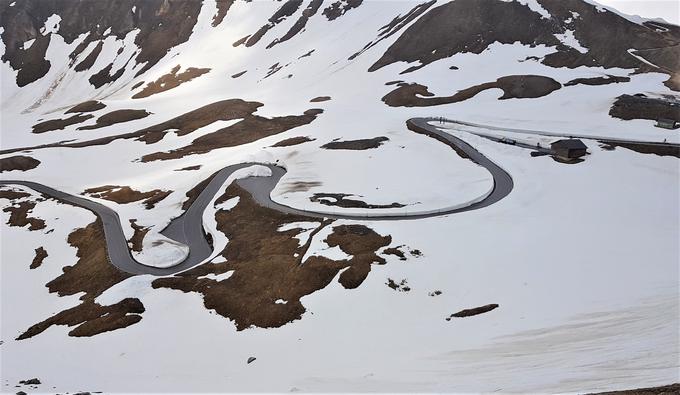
[188,227]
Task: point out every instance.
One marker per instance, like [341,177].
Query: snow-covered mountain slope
[135,104]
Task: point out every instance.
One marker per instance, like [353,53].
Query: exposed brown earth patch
[342,200]
[356,145]
[222,9]
[125,194]
[223,110]
[137,240]
[90,318]
[18,162]
[268,281]
[396,252]
[90,58]
[240,41]
[40,255]
[189,168]
[400,286]
[92,274]
[287,9]
[59,124]
[114,117]
[273,69]
[300,24]
[320,99]
[239,74]
[671,389]
[610,79]
[293,141]
[629,107]
[170,81]
[19,215]
[339,8]
[655,149]
[104,76]
[513,86]
[473,311]
[398,23]
[250,129]
[87,106]
[11,195]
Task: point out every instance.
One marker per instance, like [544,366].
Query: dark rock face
[466,26]
[471,26]
[163,24]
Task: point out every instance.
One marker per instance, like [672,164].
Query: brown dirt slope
[87,106]
[170,81]
[293,141]
[339,8]
[513,86]
[356,145]
[300,24]
[92,274]
[19,211]
[40,255]
[287,9]
[250,129]
[125,194]
[59,124]
[186,123]
[265,269]
[342,200]
[222,9]
[18,162]
[114,117]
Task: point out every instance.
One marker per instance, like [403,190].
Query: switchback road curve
[188,227]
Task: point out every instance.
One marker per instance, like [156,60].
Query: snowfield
[582,259]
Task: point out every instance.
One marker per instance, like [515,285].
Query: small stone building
[569,148]
[667,123]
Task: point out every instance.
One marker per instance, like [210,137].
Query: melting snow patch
[217,277]
[228,204]
[533,6]
[160,251]
[51,25]
[318,247]
[305,227]
[280,301]
[28,43]
[567,38]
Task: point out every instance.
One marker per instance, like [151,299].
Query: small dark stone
[251,359]
[30,381]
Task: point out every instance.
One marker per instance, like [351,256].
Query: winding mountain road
[188,228]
